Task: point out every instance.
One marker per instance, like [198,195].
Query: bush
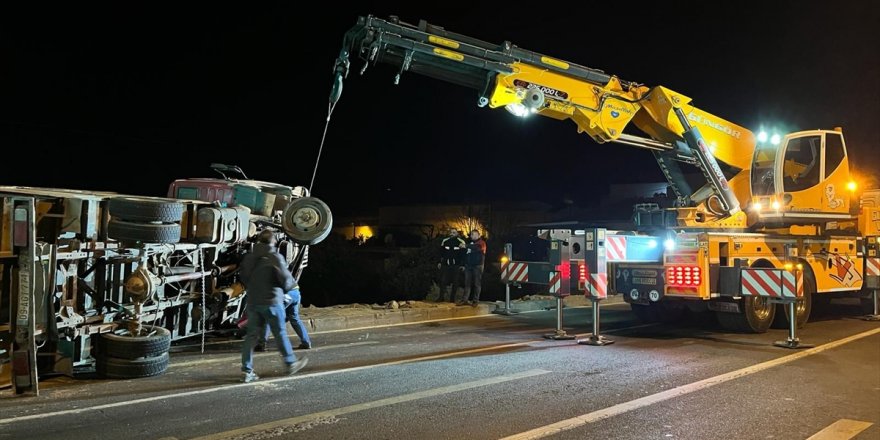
[410,274]
[337,274]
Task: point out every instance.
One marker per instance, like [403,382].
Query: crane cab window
[763,175]
[800,167]
[833,153]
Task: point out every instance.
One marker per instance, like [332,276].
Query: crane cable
[330,106]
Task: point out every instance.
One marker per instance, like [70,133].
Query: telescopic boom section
[601,105]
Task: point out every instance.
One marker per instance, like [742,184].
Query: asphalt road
[491,377]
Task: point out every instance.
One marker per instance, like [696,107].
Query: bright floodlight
[652,243]
[775,139]
[669,244]
[517,109]
[762,137]
[775,205]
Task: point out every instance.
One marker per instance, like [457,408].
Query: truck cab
[803,180]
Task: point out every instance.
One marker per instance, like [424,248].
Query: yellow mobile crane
[787,203]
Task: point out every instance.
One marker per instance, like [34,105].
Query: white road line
[259,355]
[843,429]
[280,425]
[257,383]
[625,407]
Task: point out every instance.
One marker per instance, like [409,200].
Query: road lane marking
[843,429]
[278,426]
[260,355]
[621,408]
[259,382]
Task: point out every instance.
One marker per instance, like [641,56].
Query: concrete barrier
[381,318]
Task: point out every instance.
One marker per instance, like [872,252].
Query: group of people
[273,299]
[459,256]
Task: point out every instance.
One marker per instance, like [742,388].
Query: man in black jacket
[452,250]
[265,276]
[473,267]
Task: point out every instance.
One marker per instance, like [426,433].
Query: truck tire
[116,368]
[657,312]
[646,313]
[143,232]
[121,345]
[755,317]
[135,209]
[307,220]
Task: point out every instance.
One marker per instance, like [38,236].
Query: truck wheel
[669,313]
[866,304]
[116,368]
[657,312]
[645,313]
[307,220]
[136,209]
[144,232]
[756,316]
[121,344]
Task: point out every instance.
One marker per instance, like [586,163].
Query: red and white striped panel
[555,282]
[514,272]
[872,266]
[598,285]
[774,283]
[793,284]
[615,248]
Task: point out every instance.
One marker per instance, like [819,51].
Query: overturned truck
[99,281]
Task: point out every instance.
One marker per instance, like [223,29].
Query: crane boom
[600,104]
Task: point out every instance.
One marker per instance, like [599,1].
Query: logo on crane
[547,91]
[710,123]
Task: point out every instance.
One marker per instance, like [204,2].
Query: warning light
[789,266]
[851,186]
[683,276]
[799,266]
[504,259]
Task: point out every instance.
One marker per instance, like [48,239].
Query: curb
[385,318]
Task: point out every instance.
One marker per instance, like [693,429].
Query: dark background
[129,97]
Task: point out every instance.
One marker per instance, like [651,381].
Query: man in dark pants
[473,267]
[292,301]
[266,278]
[451,263]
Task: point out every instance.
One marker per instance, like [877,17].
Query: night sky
[128,98]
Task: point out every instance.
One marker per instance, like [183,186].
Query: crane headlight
[518,109]
[775,139]
[762,137]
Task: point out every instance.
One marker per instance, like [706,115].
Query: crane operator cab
[802,178]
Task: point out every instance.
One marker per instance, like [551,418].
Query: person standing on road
[452,251]
[473,267]
[266,278]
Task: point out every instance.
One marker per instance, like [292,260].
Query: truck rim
[761,307]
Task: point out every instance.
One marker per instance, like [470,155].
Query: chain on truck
[103,281]
[773,226]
